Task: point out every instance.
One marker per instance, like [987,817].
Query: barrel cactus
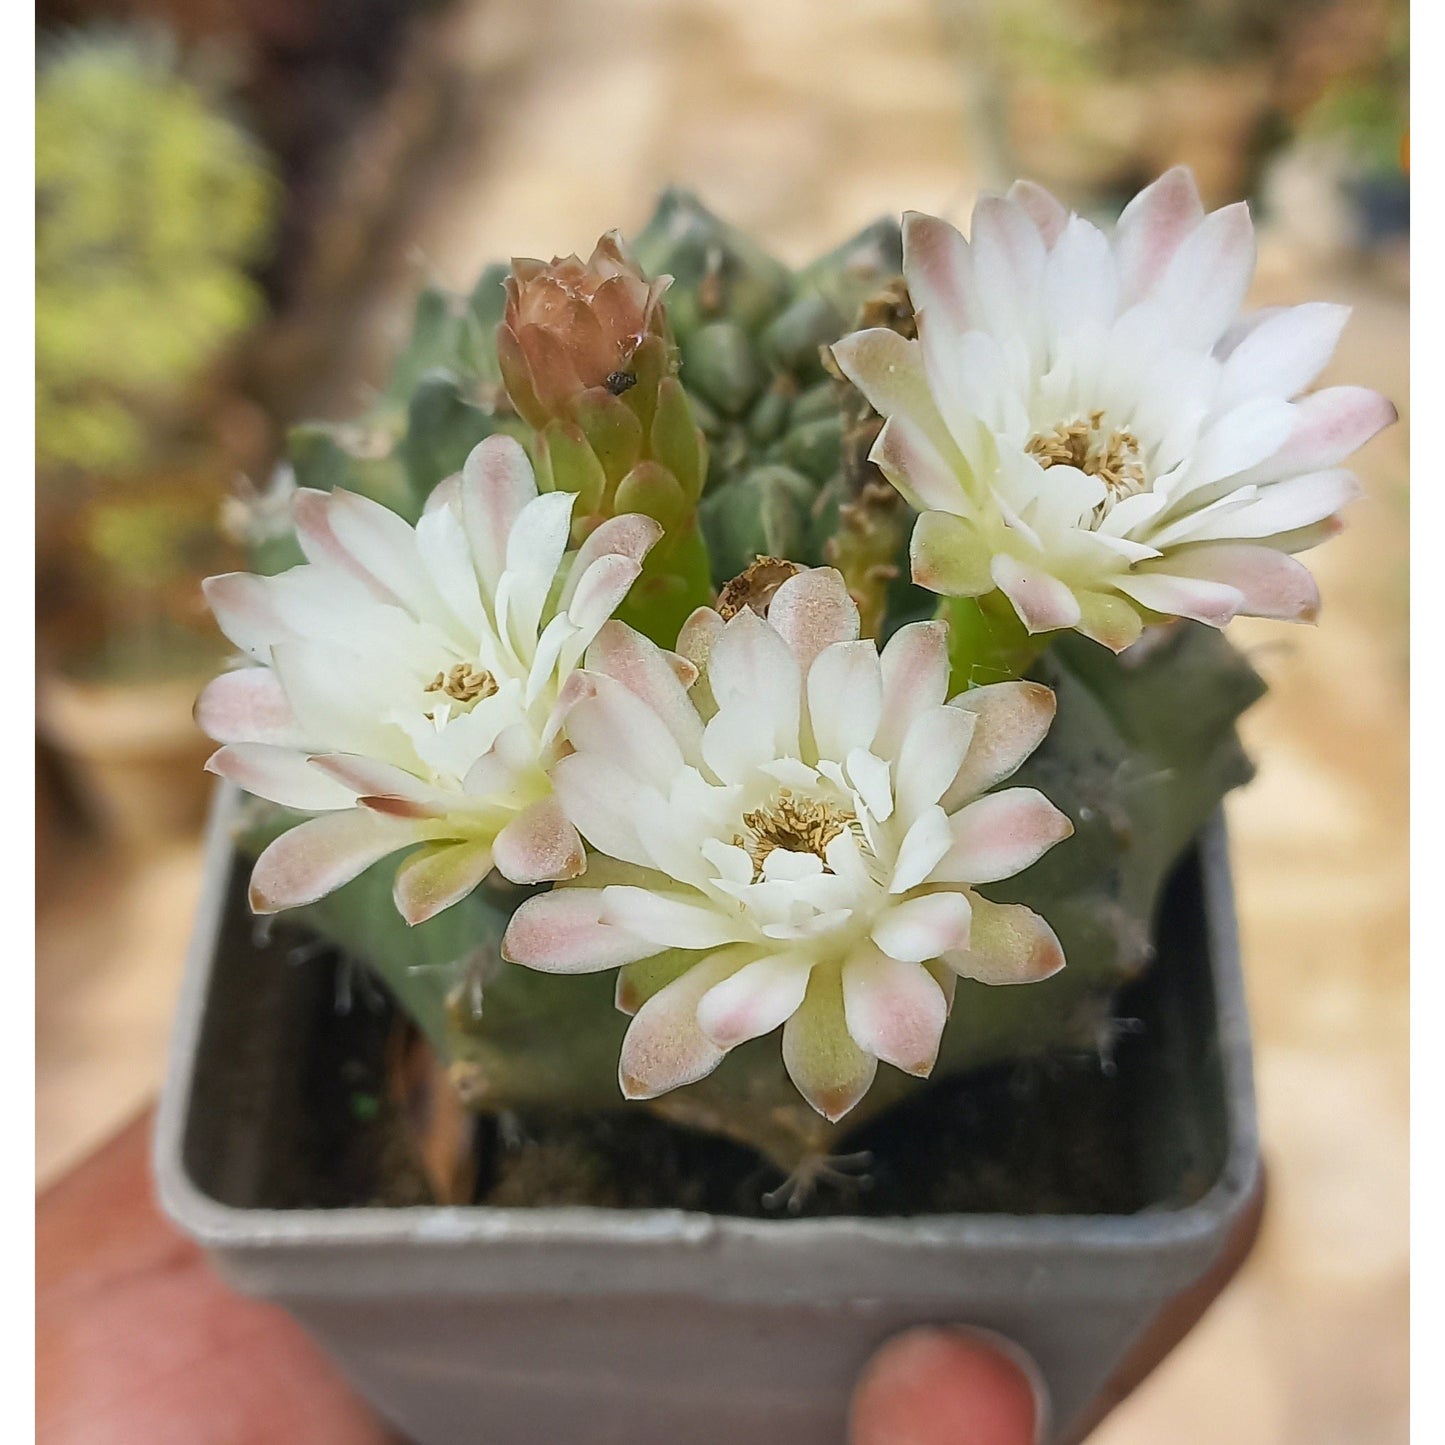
[697,710]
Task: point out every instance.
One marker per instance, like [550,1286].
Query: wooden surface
[802,122]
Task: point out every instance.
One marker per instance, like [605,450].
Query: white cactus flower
[409,686]
[795,844]
[1089,424]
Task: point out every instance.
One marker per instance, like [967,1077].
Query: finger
[948,1387]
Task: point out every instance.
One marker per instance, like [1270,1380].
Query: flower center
[1114,456]
[464,683]
[800,825]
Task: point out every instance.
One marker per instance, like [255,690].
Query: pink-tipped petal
[1010,944]
[561,931]
[539,845]
[1042,602]
[753,1001]
[370,778]
[318,856]
[915,677]
[921,929]
[1273,584]
[1011,721]
[247,706]
[1205,283]
[1047,213]
[246,613]
[829,1069]
[280,775]
[310,509]
[948,555]
[437,876]
[752,667]
[894,1010]
[1152,228]
[617,727]
[812,610]
[1329,426]
[888,369]
[1214,603]
[999,835]
[651,675]
[600,589]
[497,483]
[912,463]
[665,1046]
[939,272]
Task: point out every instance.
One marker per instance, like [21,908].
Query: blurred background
[237,202]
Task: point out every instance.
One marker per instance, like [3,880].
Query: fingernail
[936,1386]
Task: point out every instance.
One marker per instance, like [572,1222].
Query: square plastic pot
[534,1326]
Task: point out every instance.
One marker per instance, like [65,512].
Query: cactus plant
[790,814]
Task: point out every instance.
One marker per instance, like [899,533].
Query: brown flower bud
[571,326]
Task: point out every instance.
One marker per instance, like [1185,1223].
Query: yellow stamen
[800,825]
[464,683]
[1116,458]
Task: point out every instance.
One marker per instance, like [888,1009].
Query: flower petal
[1207,278]
[280,775]
[1042,602]
[829,1069]
[1009,944]
[600,800]
[939,271]
[648,672]
[561,931]
[845,698]
[752,667]
[435,877]
[812,610]
[318,856]
[921,929]
[755,1000]
[930,758]
[912,463]
[888,369]
[1047,213]
[999,835]
[1273,583]
[949,556]
[247,705]
[666,920]
[1283,354]
[665,1046]
[1012,719]
[1329,426]
[539,845]
[924,847]
[893,1010]
[497,483]
[1152,228]
[915,677]
[1211,602]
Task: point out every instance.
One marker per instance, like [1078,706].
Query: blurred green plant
[150,205]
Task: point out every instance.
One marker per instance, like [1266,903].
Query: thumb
[935,1386]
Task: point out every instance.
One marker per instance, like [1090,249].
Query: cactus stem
[987,642]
